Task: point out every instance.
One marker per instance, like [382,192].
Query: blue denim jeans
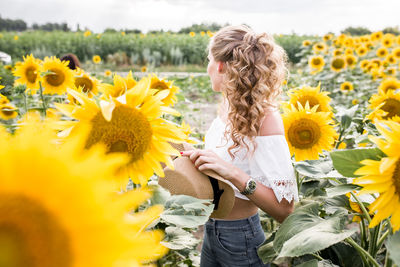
[231,243]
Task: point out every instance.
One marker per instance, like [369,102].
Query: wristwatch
[250,187]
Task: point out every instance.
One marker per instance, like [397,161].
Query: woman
[245,144]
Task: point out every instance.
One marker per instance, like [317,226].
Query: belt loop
[253,229]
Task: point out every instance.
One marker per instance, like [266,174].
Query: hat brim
[185,179]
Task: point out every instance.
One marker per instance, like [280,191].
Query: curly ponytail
[255,70]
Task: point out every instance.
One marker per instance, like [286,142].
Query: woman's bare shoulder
[272,123]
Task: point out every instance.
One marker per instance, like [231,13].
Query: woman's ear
[220,66]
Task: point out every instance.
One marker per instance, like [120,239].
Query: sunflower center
[85,83]
[392,106]
[304,134]
[338,64]
[396,177]
[7,112]
[56,78]
[30,235]
[312,101]
[159,85]
[316,61]
[128,131]
[31,74]
[346,87]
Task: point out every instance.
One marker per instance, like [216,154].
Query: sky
[272,16]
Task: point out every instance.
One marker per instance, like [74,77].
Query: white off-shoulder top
[270,164]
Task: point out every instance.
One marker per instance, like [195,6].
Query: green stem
[374,239]
[388,261]
[363,232]
[317,256]
[42,97]
[365,212]
[382,239]
[25,103]
[362,251]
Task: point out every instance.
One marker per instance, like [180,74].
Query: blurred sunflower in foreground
[130,124]
[57,208]
[383,176]
[308,132]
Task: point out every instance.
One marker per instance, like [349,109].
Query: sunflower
[389,84]
[160,85]
[346,86]
[8,111]
[391,71]
[337,52]
[391,59]
[388,40]
[89,85]
[120,85]
[388,102]
[107,73]
[312,95]
[396,53]
[364,63]
[308,132]
[306,43]
[3,100]
[355,101]
[131,124]
[351,61]
[338,63]
[143,69]
[1,86]
[96,59]
[87,33]
[383,176]
[316,62]
[361,51]
[382,52]
[349,51]
[16,37]
[376,36]
[202,33]
[187,131]
[58,76]
[192,34]
[319,47]
[75,219]
[210,34]
[29,73]
[327,37]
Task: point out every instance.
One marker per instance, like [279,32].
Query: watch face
[252,185]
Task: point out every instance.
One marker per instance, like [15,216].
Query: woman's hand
[209,160]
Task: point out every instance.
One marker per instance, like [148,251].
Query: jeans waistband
[252,221]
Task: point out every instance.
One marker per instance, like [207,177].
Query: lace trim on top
[283,188]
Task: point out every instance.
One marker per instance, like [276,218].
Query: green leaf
[317,237]
[302,218]
[314,233]
[311,263]
[340,189]
[346,162]
[177,238]
[186,211]
[393,247]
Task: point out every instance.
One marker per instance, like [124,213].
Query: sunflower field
[82,153]
[120,48]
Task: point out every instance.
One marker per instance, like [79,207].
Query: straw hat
[185,179]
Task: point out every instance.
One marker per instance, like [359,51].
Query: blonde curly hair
[255,67]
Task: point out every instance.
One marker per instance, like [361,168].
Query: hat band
[217,192]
